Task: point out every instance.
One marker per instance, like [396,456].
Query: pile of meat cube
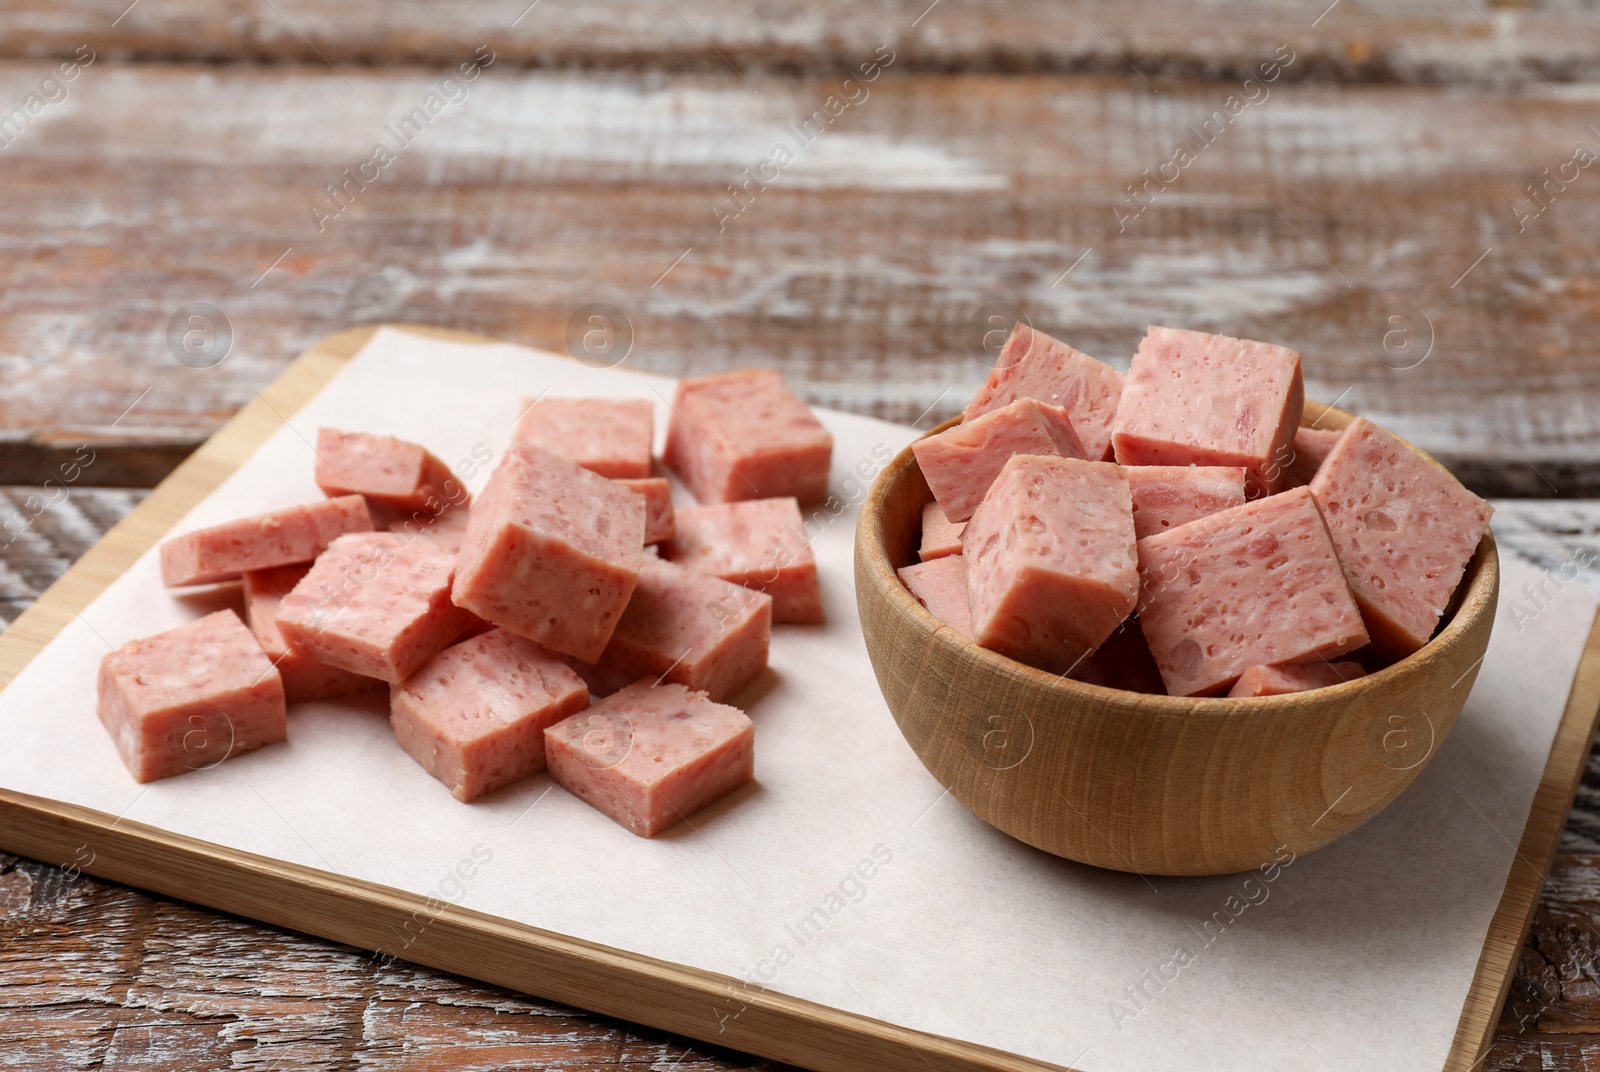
[1174,530]
[491,621]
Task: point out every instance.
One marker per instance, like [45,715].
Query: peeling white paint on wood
[1440,41]
[861,303]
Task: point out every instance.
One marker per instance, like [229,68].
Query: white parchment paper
[1357,957]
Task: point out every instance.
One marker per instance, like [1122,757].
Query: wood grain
[199,173]
[457,939]
[74,992]
[163,986]
[1413,40]
[858,272]
[42,533]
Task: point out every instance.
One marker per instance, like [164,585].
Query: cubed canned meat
[962,461]
[1051,568]
[1294,677]
[609,436]
[474,715]
[687,627]
[445,531]
[940,535]
[1257,584]
[1404,529]
[397,473]
[551,552]
[761,544]
[284,537]
[1034,365]
[304,678]
[651,755]
[1166,496]
[1195,399]
[190,697]
[376,604]
[1123,662]
[1311,448]
[940,584]
[744,435]
[658,513]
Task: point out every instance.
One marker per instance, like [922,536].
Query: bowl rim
[1475,596]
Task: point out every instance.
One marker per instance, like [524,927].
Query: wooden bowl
[1161,785]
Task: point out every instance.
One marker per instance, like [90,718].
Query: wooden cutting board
[610,981]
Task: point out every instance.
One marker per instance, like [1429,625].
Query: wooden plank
[1413,40]
[73,951]
[859,271]
[43,531]
[464,941]
[1536,849]
[94,975]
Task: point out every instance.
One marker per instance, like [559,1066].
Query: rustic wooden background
[1372,207]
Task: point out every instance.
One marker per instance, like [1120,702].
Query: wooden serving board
[665,995]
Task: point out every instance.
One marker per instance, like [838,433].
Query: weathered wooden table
[194,192]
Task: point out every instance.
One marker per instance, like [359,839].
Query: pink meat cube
[279,538]
[761,544]
[1293,677]
[745,435]
[1404,528]
[1166,496]
[303,677]
[961,462]
[1196,399]
[376,604]
[1122,662]
[474,715]
[940,535]
[1256,584]
[658,514]
[689,627]
[552,552]
[609,436]
[1051,567]
[940,584]
[652,754]
[444,531]
[191,697]
[395,472]
[1311,448]
[1033,365]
